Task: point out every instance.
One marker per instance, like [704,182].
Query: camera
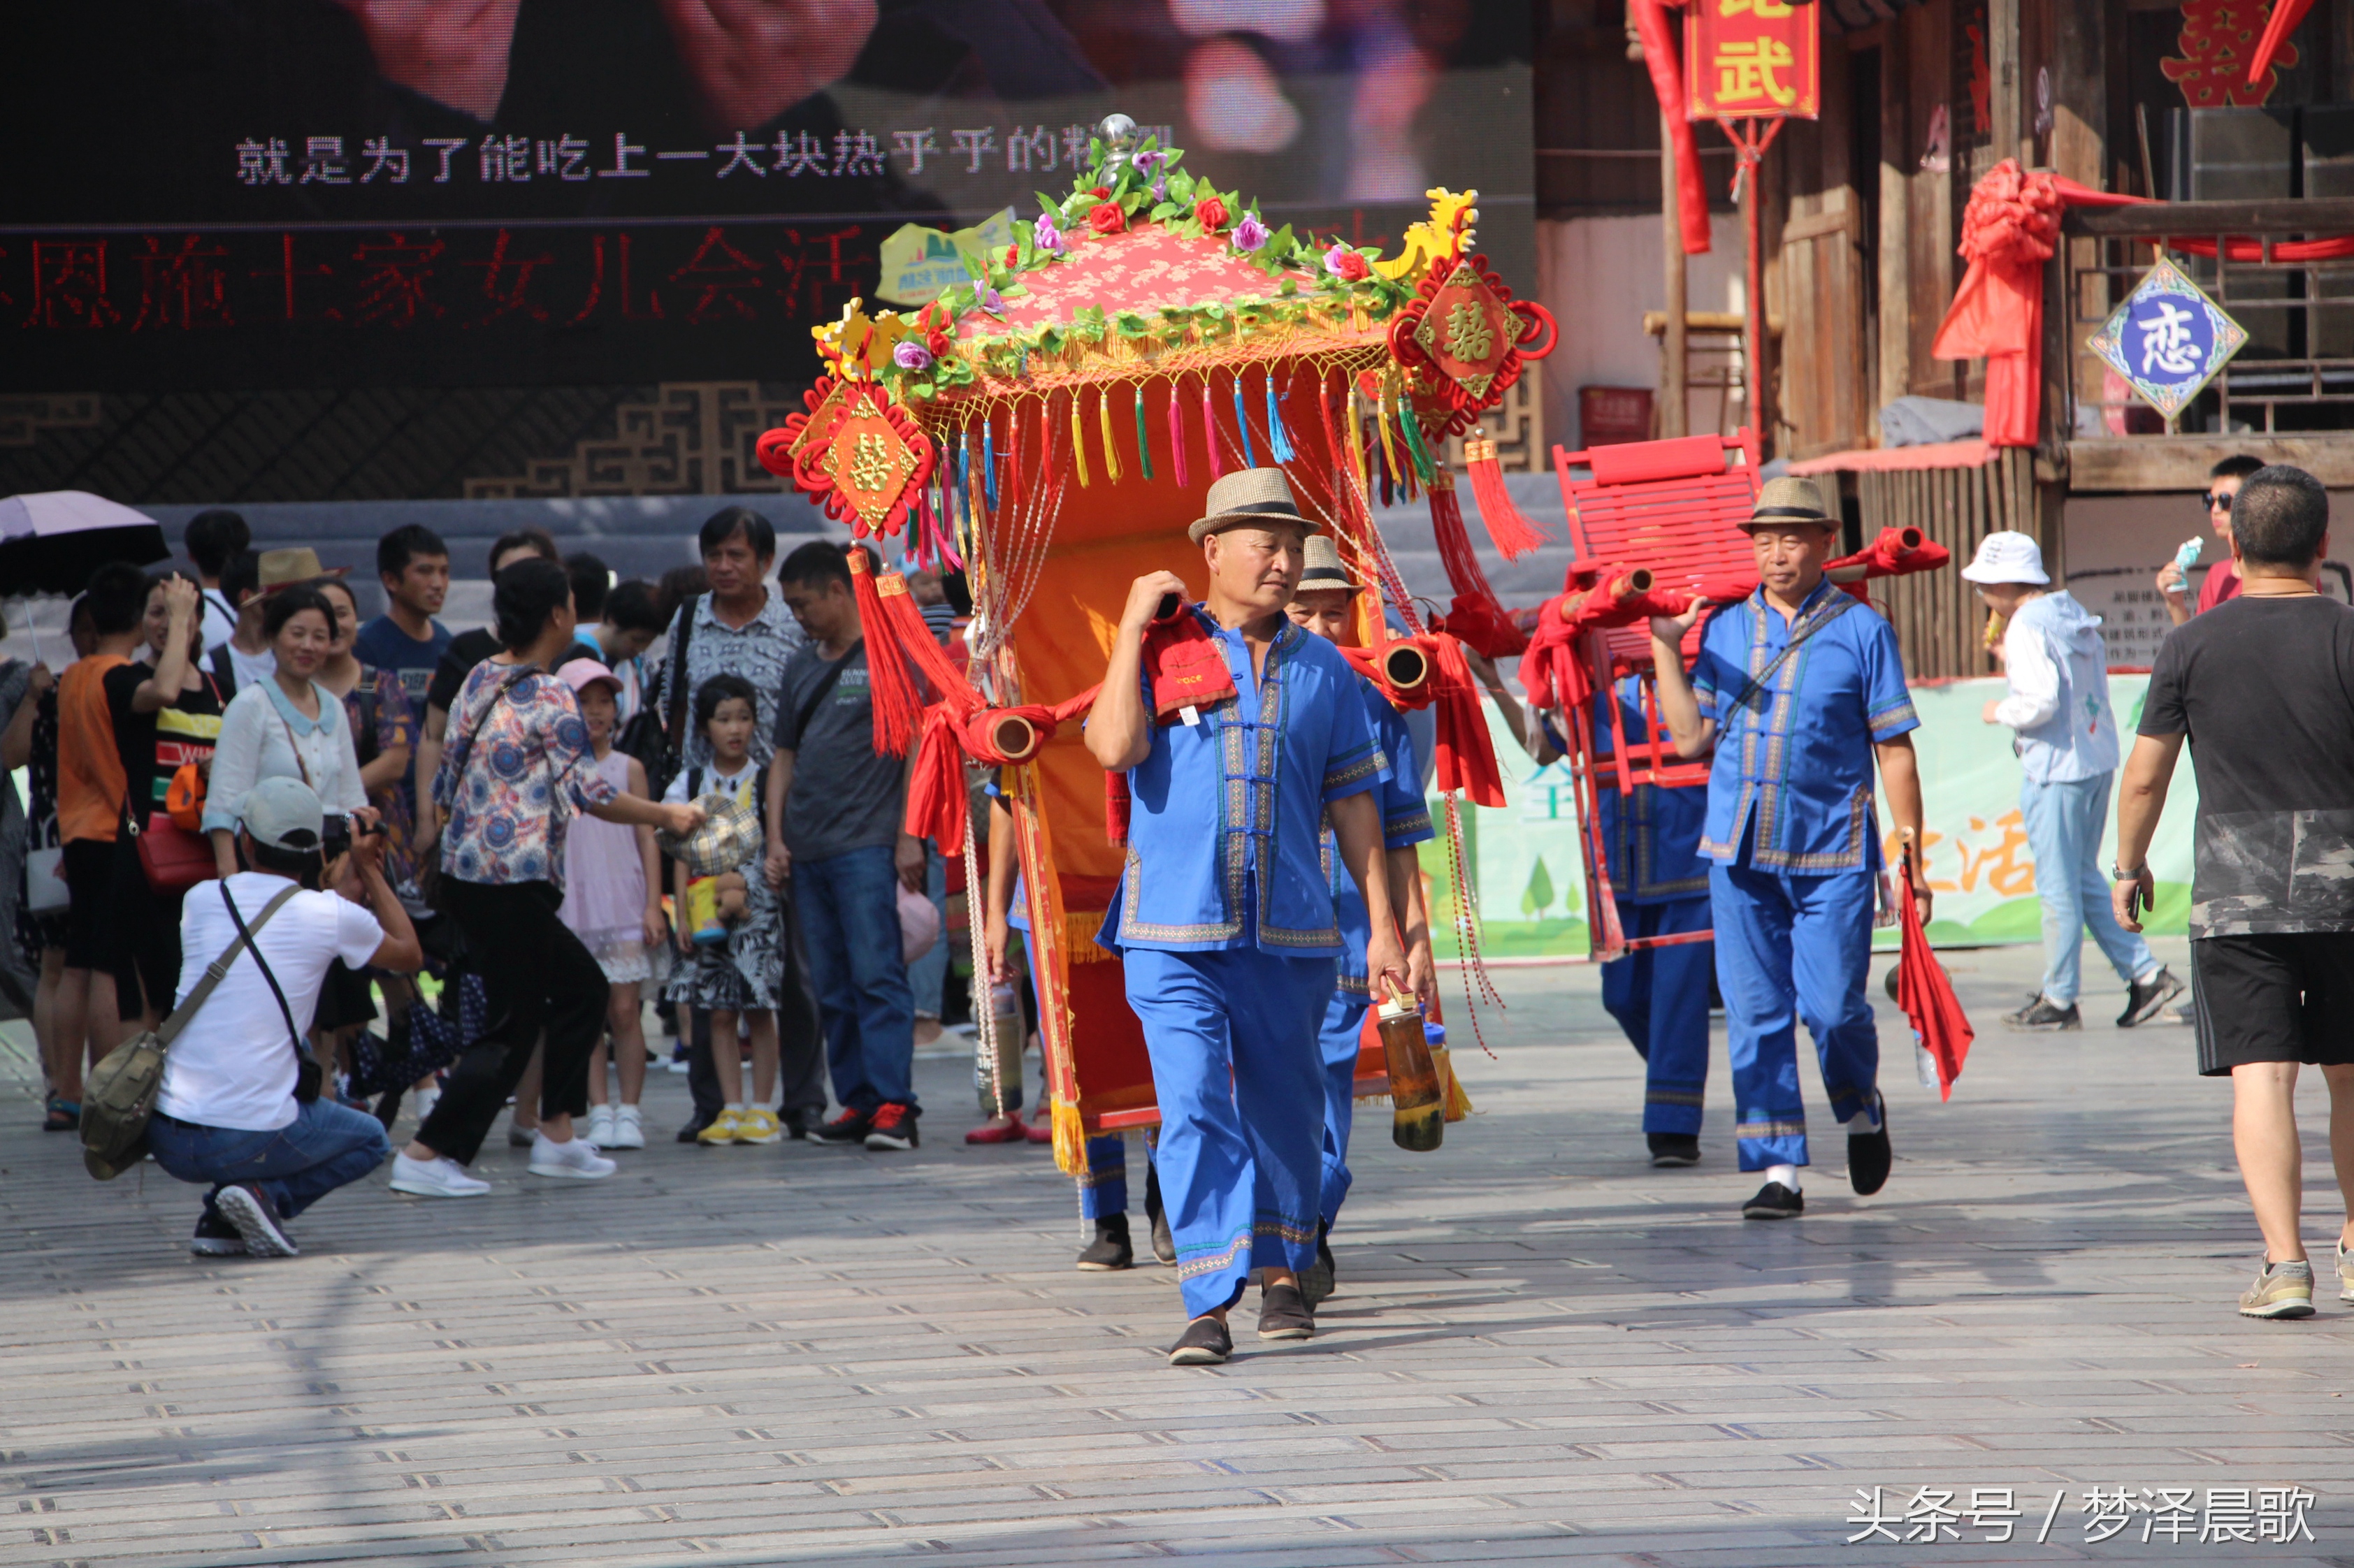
[334,835]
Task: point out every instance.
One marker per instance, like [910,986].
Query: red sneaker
[997,1132]
[893,1126]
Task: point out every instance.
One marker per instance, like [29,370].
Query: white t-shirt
[233,1066]
[737,786]
[220,620]
[251,669]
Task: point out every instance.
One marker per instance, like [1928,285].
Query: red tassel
[1466,753]
[893,689]
[1177,435]
[1515,535]
[1210,429]
[918,648]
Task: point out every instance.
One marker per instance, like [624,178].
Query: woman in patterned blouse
[517,764]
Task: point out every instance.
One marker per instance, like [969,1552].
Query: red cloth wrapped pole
[1664,60]
[2008,230]
[2286,15]
[1927,995]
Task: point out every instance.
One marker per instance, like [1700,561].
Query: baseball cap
[283,814]
[582,673]
[2007,557]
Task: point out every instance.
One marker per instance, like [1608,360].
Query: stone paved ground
[1544,1349]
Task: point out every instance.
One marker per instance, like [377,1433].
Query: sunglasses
[2215,498]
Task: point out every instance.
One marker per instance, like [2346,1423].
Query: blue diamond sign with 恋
[2169,339]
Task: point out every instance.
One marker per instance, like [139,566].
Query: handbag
[173,859]
[119,1097]
[46,891]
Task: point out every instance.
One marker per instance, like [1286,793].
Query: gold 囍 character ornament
[857,454]
[1469,336]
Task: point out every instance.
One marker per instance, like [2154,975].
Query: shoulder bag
[120,1096]
[656,733]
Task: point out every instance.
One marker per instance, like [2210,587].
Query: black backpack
[656,741]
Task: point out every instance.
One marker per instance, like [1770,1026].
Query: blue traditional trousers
[1659,997]
[1236,1068]
[1791,946]
[1344,1016]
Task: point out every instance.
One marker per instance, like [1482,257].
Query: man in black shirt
[2262,687]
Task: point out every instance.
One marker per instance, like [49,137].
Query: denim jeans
[327,1145]
[850,915]
[2064,834]
[930,974]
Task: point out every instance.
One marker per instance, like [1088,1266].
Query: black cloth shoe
[1317,1280]
[2042,1017]
[1774,1202]
[693,1132]
[1869,1155]
[1283,1314]
[216,1238]
[800,1121]
[1204,1343]
[850,1126]
[2145,999]
[1110,1250]
[1673,1147]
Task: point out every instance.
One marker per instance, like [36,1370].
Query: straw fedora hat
[1790,499]
[1247,496]
[1323,572]
[284,568]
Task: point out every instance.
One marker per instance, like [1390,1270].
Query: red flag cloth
[2008,231]
[1663,57]
[1927,997]
[937,804]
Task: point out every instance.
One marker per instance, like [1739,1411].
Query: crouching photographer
[239,1104]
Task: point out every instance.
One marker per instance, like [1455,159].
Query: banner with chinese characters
[1529,878]
[1752,60]
[276,193]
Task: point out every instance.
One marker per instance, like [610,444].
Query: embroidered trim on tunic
[1214,1261]
[1778,1127]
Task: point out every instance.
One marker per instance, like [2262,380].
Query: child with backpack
[731,968]
[613,902]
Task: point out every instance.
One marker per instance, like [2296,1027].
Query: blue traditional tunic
[1795,762]
[1225,926]
[1405,821]
[1794,837]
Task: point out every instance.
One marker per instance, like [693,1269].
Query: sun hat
[1323,572]
[1789,500]
[282,813]
[2007,557]
[1247,496]
[279,570]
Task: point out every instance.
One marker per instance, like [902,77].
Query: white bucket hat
[2007,557]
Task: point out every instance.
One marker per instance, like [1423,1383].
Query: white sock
[1865,1120]
[736,1107]
[1786,1174]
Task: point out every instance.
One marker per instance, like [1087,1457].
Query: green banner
[1528,878]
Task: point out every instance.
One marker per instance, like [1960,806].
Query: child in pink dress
[613,902]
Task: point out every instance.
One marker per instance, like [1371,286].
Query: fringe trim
[1070,1140]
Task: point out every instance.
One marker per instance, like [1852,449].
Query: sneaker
[1673,1147]
[1774,1202]
[758,1125]
[2043,1016]
[1110,1250]
[1283,1314]
[723,1128]
[1869,1155]
[2145,998]
[2345,1274]
[255,1217]
[520,1136]
[1317,1280]
[1204,1343]
[850,1126]
[440,1177]
[893,1126]
[216,1238]
[574,1159]
[600,1126]
[2281,1290]
[629,1130]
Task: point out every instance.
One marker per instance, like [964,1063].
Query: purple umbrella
[52,540]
